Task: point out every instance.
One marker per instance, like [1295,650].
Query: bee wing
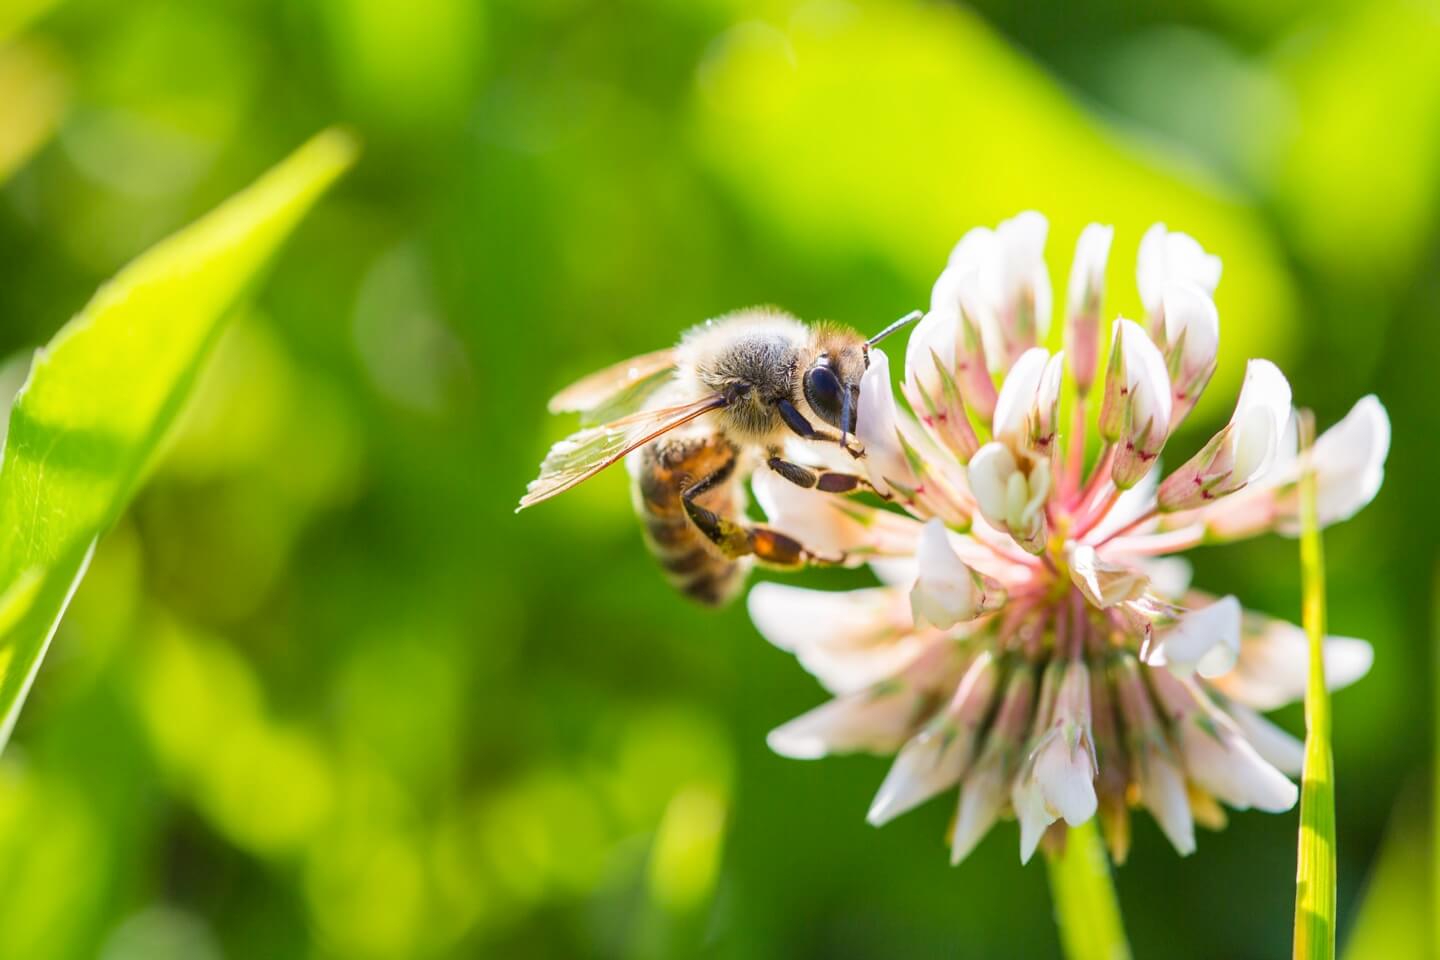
[617,391]
[581,455]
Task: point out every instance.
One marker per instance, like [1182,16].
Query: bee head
[831,382]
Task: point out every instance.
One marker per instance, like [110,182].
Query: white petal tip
[883,809]
[1080,811]
[795,746]
[1283,799]
[1347,659]
[959,851]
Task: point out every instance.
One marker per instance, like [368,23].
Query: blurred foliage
[323,695]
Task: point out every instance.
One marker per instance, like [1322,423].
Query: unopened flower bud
[1135,414]
[1019,284]
[1029,401]
[956,295]
[1046,410]
[932,339]
[1010,299]
[1192,340]
[1166,258]
[930,385]
[1082,313]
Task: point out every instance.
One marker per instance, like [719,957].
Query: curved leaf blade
[102,394]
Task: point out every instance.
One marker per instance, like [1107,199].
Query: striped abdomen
[691,562]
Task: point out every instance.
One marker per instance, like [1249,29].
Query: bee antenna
[904,321]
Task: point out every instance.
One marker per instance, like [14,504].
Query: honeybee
[694,421]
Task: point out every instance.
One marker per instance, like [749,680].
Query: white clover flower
[1034,648]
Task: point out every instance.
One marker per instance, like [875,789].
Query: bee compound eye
[824,392]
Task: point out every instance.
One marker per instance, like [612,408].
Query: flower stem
[1315,874]
[1075,449]
[1086,908]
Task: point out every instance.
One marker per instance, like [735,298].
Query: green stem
[1315,874]
[1086,908]
[1435,778]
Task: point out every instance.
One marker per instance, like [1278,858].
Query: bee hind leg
[776,549]
[742,539]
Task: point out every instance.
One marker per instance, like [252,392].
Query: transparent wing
[581,455]
[617,391]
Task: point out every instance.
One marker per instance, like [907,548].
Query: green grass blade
[1086,908]
[1315,872]
[101,396]
[1394,918]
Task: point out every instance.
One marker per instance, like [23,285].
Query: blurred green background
[323,695]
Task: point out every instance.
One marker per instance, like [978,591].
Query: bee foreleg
[804,429]
[794,472]
[796,421]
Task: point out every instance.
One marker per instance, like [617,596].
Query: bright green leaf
[101,396]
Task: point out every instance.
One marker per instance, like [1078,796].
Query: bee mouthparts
[904,321]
